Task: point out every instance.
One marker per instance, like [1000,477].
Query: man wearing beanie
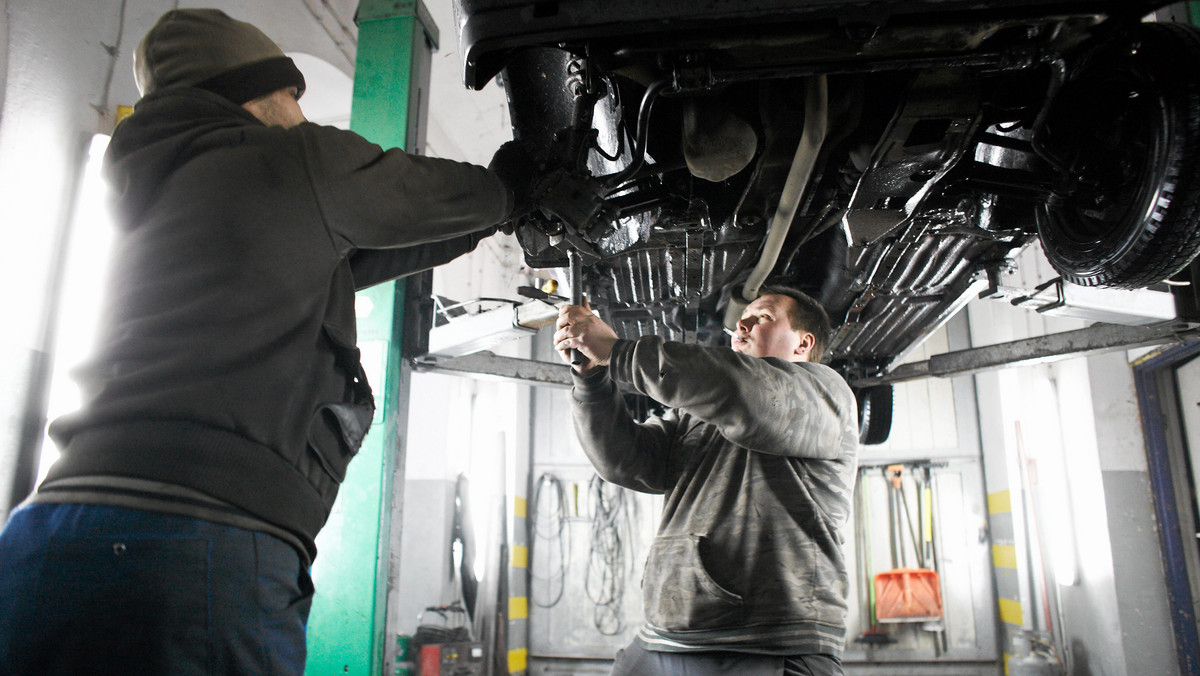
[225,398]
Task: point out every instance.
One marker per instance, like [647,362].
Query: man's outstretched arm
[623,451]
[765,405]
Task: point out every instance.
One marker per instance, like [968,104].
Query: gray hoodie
[756,460]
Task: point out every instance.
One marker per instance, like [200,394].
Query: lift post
[355,572]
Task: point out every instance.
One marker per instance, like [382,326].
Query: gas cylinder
[1032,655]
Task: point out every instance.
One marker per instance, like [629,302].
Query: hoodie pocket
[680,594]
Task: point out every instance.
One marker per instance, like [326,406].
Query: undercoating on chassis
[888,159]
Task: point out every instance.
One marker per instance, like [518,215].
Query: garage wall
[1069,493]
[64,67]
[935,423]
[1137,569]
[587,558]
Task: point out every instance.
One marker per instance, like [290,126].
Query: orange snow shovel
[906,594]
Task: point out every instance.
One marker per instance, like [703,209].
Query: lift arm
[1083,342]
[1094,339]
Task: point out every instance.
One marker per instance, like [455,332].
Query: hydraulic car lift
[356,574]
[1091,340]
[1097,338]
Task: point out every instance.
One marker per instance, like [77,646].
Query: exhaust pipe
[816,123]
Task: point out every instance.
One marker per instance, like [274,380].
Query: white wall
[1138,574]
[1064,440]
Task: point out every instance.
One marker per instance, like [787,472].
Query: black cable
[432,634]
[607,556]
[621,127]
[614,181]
[551,526]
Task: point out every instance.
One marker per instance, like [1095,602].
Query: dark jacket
[226,361]
[756,460]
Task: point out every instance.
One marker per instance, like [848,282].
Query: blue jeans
[87,589]
[634,660]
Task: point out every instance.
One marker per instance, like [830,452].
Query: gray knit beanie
[205,48]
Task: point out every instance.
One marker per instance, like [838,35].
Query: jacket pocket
[678,591]
[336,429]
[335,434]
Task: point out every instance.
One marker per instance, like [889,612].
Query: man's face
[765,330]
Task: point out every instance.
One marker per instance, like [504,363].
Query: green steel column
[354,570]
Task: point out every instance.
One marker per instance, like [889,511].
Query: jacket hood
[165,128]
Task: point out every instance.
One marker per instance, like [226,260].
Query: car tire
[1125,134]
[875,405]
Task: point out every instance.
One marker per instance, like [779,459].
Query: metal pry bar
[576,276]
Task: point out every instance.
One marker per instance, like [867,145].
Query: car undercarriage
[888,158]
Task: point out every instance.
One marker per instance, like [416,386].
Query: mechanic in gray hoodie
[756,459]
[225,398]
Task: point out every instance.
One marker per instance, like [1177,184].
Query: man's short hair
[806,315]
